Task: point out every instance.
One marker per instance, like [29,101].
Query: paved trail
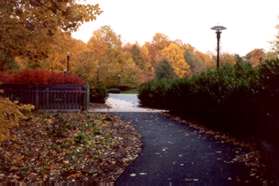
[174,154]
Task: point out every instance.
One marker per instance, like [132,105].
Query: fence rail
[58,97]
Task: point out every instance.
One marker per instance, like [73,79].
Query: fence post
[37,98]
[86,97]
[47,98]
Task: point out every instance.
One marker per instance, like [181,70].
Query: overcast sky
[250,23]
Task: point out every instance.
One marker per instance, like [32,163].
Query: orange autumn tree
[255,57]
[112,65]
[174,53]
[154,49]
[160,48]
[140,57]
[62,45]
[107,60]
[33,24]
[197,60]
[227,58]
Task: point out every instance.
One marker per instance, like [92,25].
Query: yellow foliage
[175,55]
[256,56]
[11,113]
[227,58]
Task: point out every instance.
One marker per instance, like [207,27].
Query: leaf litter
[68,147]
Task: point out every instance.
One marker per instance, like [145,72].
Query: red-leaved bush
[39,77]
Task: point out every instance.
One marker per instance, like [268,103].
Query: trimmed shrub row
[39,77]
[98,94]
[238,99]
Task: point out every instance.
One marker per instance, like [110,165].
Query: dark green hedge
[98,94]
[237,98]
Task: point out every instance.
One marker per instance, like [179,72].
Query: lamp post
[119,79]
[97,74]
[68,62]
[218,30]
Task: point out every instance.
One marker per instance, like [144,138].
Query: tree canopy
[28,27]
[164,71]
[37,34]
[276,42]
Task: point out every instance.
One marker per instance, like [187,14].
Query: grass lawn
[132,91]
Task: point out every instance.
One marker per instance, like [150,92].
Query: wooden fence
[54,97]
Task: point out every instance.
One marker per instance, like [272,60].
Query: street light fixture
[218,30]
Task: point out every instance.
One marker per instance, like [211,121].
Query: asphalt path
[175,154]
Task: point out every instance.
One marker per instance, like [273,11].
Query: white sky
[250,23]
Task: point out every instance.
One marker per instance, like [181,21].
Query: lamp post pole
[68,62]
[97,74]
[218,30]
[119,79]
[218,34]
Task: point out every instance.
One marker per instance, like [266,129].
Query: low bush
[114,90]
[151,93]
[98,94]
[10,115]
[39,77]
